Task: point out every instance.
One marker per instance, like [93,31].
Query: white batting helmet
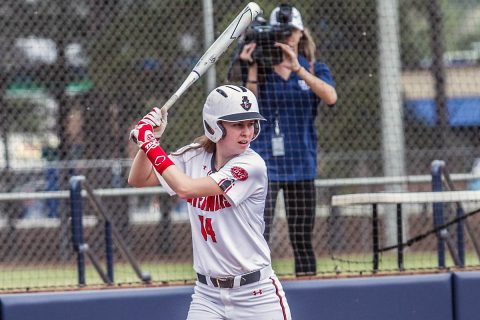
[229,103]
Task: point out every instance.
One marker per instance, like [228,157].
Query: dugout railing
[436,198]
[441,180]
[99,193]
[77,184]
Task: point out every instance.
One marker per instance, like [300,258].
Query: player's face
[238,136]
[294,39]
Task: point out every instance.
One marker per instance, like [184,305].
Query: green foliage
[459,21]
[348,44]
[414,33]
[136,55]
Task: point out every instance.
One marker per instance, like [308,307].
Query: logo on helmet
[246,103]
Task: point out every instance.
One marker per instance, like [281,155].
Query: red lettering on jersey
[206,228]
[210,203]
[225,202]
[202,203]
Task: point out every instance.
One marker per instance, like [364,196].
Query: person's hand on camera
[247,52]
[290,57]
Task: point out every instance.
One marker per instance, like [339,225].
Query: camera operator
[289,91]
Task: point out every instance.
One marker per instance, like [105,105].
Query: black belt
[228,282]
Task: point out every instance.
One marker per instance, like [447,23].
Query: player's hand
[247,52]
[290,56]
[142,134]
[158,119]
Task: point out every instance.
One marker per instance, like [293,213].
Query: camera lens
[284,14]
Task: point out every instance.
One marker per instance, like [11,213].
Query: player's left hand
[290,56]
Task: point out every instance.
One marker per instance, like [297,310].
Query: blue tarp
[462,111]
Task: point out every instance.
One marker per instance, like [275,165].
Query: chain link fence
[75,77]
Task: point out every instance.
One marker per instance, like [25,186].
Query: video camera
[265,36]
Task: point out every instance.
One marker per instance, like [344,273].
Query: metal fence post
[400,253]
[438,218]
[461,236]
[109,249]
[375,237]
[76,207]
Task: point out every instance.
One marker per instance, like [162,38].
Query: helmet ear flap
[208,128]
[256,129]
[224,131]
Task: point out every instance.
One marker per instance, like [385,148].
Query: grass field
[54,277]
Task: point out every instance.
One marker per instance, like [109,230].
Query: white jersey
[227,230]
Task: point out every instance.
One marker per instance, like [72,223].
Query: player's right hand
[158,119]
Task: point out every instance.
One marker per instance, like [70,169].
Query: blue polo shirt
[295,106]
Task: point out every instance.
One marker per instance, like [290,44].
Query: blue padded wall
[466,292]
[119,304]
[422,297]
[378,298]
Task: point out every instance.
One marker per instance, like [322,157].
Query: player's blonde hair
[205,143]
[201,142]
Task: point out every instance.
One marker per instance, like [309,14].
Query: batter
[225,185]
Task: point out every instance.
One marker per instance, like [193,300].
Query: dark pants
[300,202]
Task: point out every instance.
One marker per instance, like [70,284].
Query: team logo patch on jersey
[303,85]
[246,103]
[239,173]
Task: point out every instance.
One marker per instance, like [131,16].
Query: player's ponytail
[206,143]
[201,142]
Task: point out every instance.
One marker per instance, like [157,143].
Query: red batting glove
[143,136]
[158,118]
[142,133]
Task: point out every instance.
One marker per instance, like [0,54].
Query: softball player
[225,185]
